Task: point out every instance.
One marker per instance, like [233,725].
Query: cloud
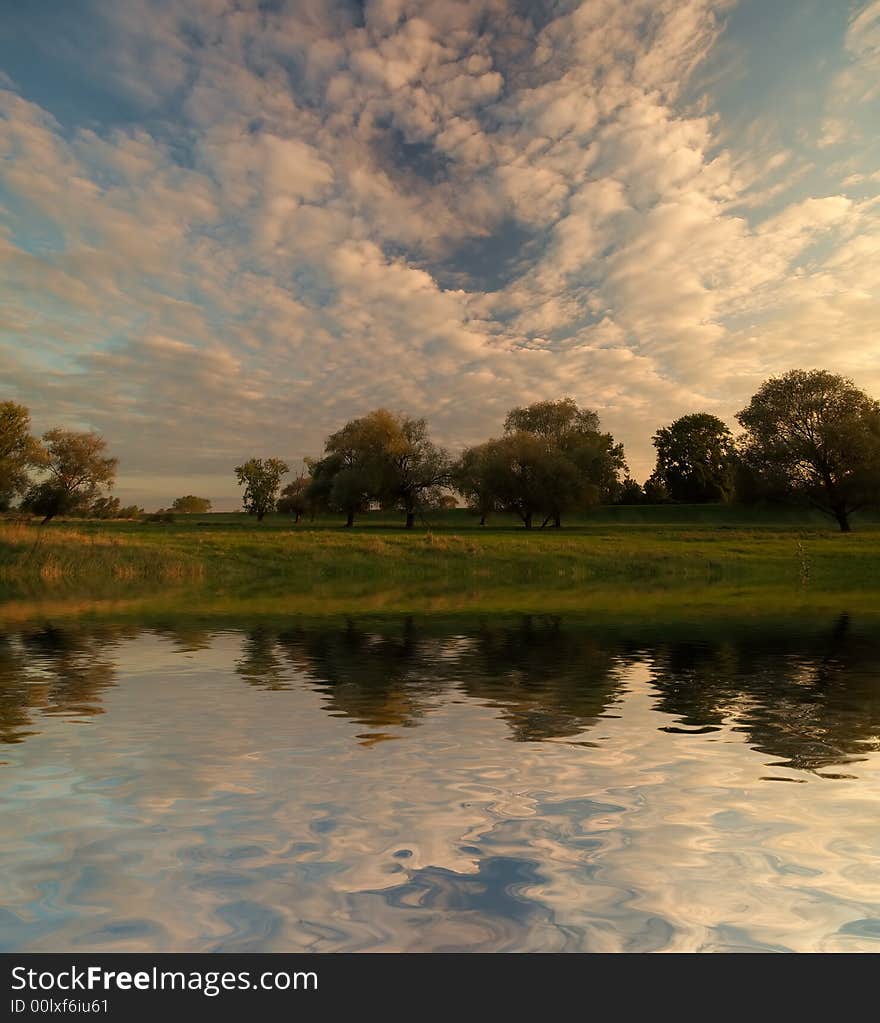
[311,215]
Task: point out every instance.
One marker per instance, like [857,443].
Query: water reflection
[527,783]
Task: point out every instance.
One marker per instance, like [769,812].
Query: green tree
[583,465]
[78,471]
[520,474]
[630,492]
[261,478]
[19,452]
[105,508]
[470,478]
[191,505]
[294,498]
[819,434]
[418,469]
[384,457]
[696,459]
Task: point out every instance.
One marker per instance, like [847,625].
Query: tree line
[807,436]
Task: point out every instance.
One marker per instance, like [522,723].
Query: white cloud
[270,249]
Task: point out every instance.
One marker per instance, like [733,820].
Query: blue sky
[227,227]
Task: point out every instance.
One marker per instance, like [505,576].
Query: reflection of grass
[341,598]
[455,564]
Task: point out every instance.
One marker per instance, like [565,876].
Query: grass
[629,548]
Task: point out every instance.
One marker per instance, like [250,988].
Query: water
[482,785]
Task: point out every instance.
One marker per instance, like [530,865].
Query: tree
[418,468]
[696,459]
[191,505]
[819,434]
[384,457]
[105,508]
[78,472]
[655,491]
[583,465]
[294,498]
[261,479]
[19,451]
[630,492]
[471,480]
[519,473]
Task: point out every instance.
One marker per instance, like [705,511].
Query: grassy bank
[234,554]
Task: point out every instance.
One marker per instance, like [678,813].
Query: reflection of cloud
[302,216]
[202,813]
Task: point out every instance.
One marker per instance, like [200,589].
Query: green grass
[636,548]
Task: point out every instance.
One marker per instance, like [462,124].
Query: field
[630,548]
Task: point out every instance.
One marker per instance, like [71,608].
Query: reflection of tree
[260,664]
[812,699]
[375,678]
[548,680]
[53,671]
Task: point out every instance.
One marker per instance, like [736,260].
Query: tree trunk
[482,520]
[48,518]
[527,520]
[410,520]
[296,518]
[260,516]
[557,521]
[349,522]
[840,513]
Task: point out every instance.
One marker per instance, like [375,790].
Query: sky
[229,226]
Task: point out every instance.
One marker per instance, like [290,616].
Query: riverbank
[237,555]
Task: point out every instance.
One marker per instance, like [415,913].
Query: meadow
[633,548]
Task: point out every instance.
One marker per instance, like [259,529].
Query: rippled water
[530,784]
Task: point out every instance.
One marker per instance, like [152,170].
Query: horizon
[228,231]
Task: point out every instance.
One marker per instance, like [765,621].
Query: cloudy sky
[227,226]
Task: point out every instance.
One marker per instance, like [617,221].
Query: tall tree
[78,472]
[384,457]
[819,434]
[696,459]
[583,465]
[261,478]
[419,469]
[19,451]
[521,474]
[470,478]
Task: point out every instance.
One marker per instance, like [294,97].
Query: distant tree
[418,469]
[520,474]
[130,511]
[191,505]
[105,508]
[630,492]
[583,465]
[384,457]
[19,452]
[696,459]
[261,479]
[294,498]
[819,434]
[655,491]
[78,471]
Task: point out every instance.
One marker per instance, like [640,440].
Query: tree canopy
[552,459]
[78,472]
[696,459]
[818,435]
[384,457]
[19,451]
[191,505]
[261,478]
